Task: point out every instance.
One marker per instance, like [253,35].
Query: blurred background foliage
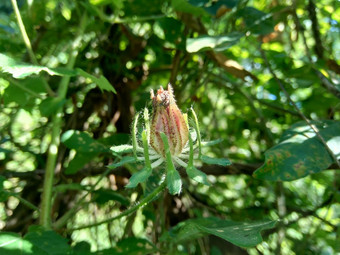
[251,70]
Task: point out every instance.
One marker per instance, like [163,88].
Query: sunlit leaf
[300,152]
[218,43]
[238,233]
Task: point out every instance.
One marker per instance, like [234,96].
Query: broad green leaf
[13,244]
[124,160]
[50,105]
[217,43]
[79,160]
[174,182]
[197,175]
[102,82]
[47,241]
[131,246]
[21,70]
[185,6]
[139,177]
[15,94]
[215,161]
[82,142]
[238,233]
[300,152]
[102,196]
[258,22]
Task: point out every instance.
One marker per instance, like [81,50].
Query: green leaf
[3,193]
[185,6]
[174,182]
[79,161]
[82,142]
[131,246]
[102,82]
[238,233]
[13,244]
[124,160]
[300,152]
[197,175]
[48,241]
[215,161]
[102,196]
[21,70]
[50,105]
[139,177]
[258,22]
[36,242]
[217,43]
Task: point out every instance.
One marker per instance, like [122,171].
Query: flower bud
[167,118]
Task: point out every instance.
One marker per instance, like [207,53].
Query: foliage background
[230,60]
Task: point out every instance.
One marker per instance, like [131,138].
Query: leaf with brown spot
[300,152]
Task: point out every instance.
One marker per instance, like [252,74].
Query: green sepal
[174,181]
[191,170]
[139,177]
[215,161]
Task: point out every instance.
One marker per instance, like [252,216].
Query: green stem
[23,32]
[46,204]
[28,43]
[131,210]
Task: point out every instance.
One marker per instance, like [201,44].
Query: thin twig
[133,209]
[313,127]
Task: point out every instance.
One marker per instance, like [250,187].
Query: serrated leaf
[217,43]
[174,182]
[102,82]
[21,70]
[139,177]
[124,160]
[238,233]
[300,152]
[215,161]
[197,175]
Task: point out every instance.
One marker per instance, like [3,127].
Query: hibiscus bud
[167,118]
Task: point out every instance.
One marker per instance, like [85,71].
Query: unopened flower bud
[167,118]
